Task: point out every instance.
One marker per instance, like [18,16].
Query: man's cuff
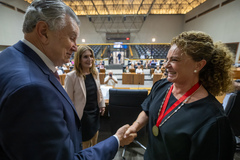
[117,140]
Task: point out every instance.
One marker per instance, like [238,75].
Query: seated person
[132,66]
[136,65]
[142,56]
[139,62]
[163,67]
[100,65]
[126,70]
[148,53]
[139,70]
[110,79]
[71,68]
[64,67]
[152,61]
[157,70]
[129,62]
[146,65]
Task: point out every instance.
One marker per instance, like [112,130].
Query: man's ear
[42,31]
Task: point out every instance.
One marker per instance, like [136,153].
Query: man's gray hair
[53,12]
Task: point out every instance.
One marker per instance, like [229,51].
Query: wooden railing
[103,51]
[130,50]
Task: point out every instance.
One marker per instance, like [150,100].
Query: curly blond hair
[77,61]
[216,75]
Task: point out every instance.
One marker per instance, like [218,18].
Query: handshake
[126,135]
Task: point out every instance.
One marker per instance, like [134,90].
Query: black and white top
[91,117]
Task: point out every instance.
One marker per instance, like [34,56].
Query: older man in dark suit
[37,118]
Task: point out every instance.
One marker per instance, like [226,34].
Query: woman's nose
[165,64]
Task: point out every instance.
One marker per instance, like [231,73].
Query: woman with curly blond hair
[185,121]
[83,87]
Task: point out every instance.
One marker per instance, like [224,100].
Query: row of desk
[127,78]
[134,78]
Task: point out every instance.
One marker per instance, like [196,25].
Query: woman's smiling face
[87,60]
[180,66]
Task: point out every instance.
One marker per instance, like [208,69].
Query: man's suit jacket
[76,89]
[37,118]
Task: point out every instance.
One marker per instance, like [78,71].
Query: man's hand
[120,134]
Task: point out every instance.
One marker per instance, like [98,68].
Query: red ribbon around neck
[188,93]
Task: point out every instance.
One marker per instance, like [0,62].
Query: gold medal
[162,109]
[155,130]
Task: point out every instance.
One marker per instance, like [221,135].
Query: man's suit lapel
[24,49]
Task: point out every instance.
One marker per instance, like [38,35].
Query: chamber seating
[156,51]
[96,49]
[124,108]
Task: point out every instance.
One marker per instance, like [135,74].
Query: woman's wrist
[136,125]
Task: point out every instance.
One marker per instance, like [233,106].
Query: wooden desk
[138,79]
[102,70]
[132,78]
[127,78]
[220,98]
[106,101]
[62,78]
[156,77]
[236,74]
[132,70]
[101,77]
[67,70]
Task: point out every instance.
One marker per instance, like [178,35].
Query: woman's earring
[195,71]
